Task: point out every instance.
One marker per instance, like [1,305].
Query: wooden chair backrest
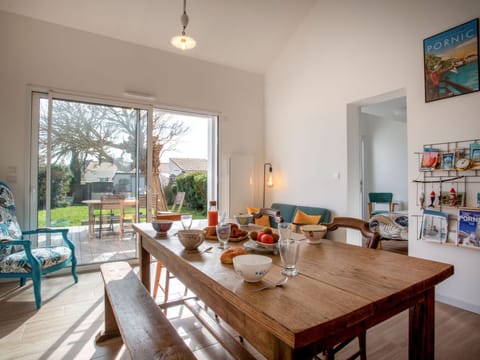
[178,202]
[380,198]
[372,237]
[111,201]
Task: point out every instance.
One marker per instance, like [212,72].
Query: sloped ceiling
[244,34]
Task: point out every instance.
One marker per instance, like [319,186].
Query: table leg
[144,264]
[91,225]
[422,328]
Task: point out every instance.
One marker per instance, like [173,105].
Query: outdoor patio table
[341,290]
[95,204]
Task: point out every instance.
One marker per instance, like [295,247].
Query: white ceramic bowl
[191,239]
[314,233]
[243,219]
[252,267]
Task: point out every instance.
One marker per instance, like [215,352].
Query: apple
[267,239]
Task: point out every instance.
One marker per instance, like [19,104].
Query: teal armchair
[19,259]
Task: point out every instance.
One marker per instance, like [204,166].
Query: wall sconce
[267,182]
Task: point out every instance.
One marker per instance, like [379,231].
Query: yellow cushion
[252,210]
[263,221]
[304,219]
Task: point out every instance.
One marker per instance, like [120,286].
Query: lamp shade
[183,42]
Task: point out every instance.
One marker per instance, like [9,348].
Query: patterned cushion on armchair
[48,257]
[20,258]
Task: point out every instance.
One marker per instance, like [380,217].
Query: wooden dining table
[340,291]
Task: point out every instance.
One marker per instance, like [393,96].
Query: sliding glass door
[85,154]
[99,166]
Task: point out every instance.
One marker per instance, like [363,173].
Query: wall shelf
[464,183]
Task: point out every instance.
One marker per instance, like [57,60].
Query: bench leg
[111,326]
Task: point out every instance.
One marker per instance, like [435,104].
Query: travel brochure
[434,226]
[468,228]
[433,158]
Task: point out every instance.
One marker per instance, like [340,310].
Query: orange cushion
[252,210]
[304,219]
[263,221]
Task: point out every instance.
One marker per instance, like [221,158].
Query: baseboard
[458,303]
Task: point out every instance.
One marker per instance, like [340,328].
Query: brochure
[468,229]
[434,226]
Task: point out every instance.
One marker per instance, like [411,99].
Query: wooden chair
[109,203]
[370,240]
[273,214]
[19,259]
[159,267]
[178,202]
[375,198]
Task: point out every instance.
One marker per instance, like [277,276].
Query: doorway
[377,150]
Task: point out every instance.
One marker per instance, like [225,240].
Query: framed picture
[451,62]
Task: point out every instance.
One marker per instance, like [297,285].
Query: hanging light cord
[184,17]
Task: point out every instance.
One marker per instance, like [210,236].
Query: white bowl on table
[314,233]
[243,219]
[252,267]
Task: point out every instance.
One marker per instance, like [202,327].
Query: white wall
[347,51]
[39,53]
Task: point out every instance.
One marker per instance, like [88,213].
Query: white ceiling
[245,34]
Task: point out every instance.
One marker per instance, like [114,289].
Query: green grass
[74,215]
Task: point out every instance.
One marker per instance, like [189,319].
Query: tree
[83,132]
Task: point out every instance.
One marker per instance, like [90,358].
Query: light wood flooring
[72,314]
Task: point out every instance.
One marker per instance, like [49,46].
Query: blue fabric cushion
[48,257]
[286,211]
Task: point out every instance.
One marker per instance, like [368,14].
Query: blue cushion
[286,211]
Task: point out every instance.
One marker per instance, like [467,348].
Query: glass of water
[223,234]
[284,230]
[186,221]
[289,251]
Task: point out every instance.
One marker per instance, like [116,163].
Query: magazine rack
[449,180]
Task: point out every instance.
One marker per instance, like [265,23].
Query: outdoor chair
[20,259]
[110,203]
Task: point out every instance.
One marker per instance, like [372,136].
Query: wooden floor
[66,325]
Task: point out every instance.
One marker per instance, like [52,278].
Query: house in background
[180,166]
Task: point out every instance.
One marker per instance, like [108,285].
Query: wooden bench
[131,312]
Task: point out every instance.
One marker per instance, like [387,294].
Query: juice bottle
[212,213]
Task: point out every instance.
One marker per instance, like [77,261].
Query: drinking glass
[221,216]
[289,251]
[186,221]
[223,234]
[284,230]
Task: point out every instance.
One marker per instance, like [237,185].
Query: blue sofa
[288,211]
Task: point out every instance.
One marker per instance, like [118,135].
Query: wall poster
[451,62]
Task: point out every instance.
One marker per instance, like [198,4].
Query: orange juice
[212,216]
